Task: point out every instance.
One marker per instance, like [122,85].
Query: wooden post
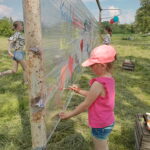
[100,10]
[100,17]
[33,41]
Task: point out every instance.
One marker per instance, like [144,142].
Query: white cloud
[125,16]
[5,11]
[113,12]
[110,12]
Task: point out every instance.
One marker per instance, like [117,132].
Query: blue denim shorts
[102,133]
[19,55]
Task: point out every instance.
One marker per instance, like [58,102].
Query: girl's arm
[11,40]
[76,89]
[95,90]
[9,48]
[83,92]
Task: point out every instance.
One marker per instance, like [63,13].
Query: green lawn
[132,97]
[14,115]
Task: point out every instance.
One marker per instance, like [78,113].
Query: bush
[119,28]
[6,27]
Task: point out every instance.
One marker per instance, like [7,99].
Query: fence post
[33,39]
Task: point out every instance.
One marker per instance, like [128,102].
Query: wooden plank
[138,136]
[127,68]
[142,135]
[136,142]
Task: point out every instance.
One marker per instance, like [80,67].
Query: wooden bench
[142,134]
[128,65]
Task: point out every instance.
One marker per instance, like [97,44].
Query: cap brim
[87,63]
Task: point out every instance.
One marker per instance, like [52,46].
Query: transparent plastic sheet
[69,33]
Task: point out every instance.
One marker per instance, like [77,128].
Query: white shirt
[107,39]
[18,41]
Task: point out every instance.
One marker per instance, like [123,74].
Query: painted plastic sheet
[69,33]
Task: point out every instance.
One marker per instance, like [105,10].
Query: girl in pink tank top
[100,99]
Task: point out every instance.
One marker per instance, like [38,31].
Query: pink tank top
[101,112]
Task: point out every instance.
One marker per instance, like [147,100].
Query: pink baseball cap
[101,54]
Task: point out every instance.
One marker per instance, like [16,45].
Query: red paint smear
[62,77]
[70,65]
[77,23]
[81,45]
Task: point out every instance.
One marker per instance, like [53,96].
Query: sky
[126,12]
[11,8]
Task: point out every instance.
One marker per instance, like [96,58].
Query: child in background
[107,37]
[100,99]
[16,43]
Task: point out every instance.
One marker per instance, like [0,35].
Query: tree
[118,28]
[142,20]
[6,26]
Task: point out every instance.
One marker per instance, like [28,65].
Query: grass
[14,122]
[132,97]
